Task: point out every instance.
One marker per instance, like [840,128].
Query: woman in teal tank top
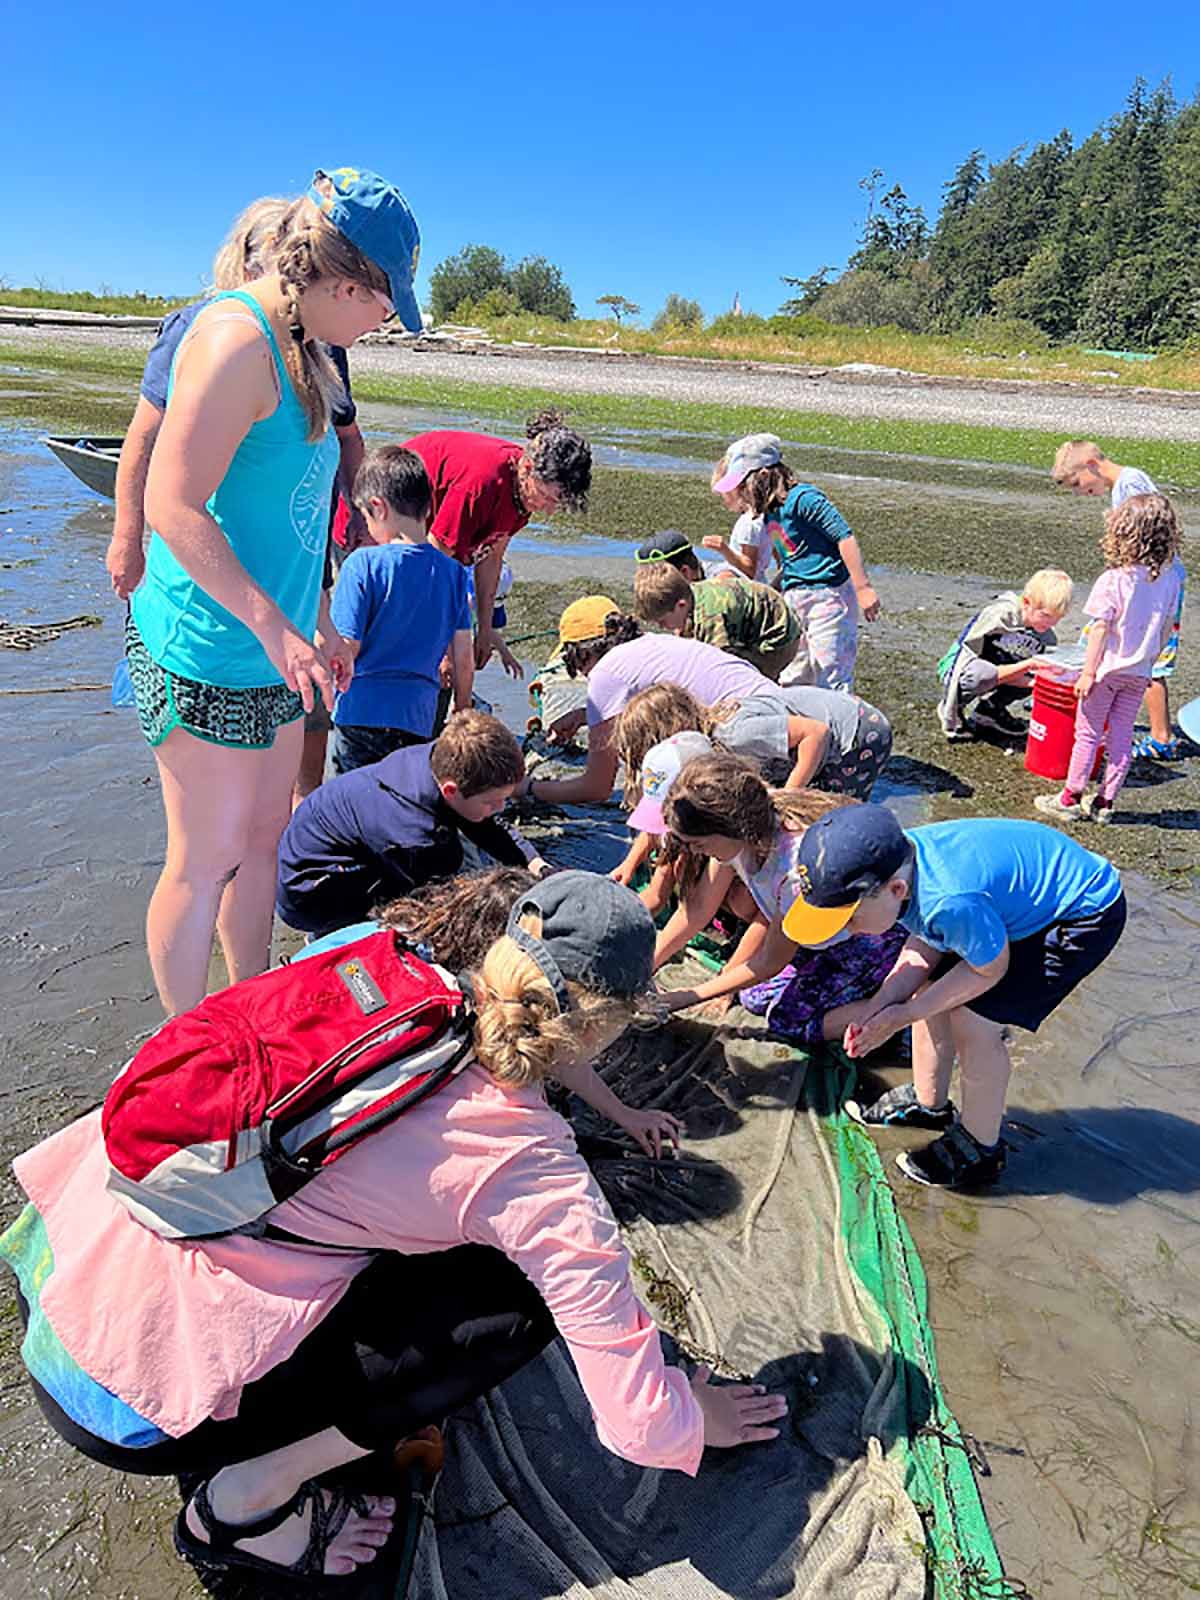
[229,637]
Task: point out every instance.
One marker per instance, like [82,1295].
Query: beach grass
[1174,464]
[103,303]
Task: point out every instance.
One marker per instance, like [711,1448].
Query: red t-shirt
[473,476]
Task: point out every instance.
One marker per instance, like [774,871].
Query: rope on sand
[28,635]
[60,688]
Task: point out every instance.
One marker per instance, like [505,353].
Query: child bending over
[383,830]
[1004,919]
[743,618]
[989,664]
[1132,607]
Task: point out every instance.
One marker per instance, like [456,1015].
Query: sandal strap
[331,1505]
[225,1535]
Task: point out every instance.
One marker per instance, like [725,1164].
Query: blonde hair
[520,1035]
[658,588]
[1142,531]
[249,248]
[307,249]
[1051,589]
[1072,457]
[655,714]
[725,796]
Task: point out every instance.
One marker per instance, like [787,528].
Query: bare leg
[1158,709]
[312,765]
[247,909]
[934,1047]
[250,1489]
[984,1070]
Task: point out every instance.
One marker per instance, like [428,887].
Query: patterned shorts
[245,719]
[855,772]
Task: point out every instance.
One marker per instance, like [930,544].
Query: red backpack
[235,1105]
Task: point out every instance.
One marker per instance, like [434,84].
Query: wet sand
[1065,1302]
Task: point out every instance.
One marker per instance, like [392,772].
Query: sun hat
[376,218]
[664,546]
[584,619]
[844,855]
[662,766]
[594,932]
[747,455]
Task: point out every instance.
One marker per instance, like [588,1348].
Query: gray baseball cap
[747,455]
[594,932]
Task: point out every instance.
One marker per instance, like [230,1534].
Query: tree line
[1097,242]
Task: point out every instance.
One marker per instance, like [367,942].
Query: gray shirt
[758,729]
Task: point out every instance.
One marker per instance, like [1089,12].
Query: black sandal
[330,1508]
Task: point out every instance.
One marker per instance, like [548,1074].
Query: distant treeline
[1096,243]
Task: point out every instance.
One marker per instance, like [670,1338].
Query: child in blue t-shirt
[821,569]
[1004,920]
[402,605]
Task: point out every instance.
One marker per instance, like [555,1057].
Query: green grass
[1172,464]
[126,305]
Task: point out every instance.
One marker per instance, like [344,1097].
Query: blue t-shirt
[156,377]
[981,883]
[805,533]
[403,603]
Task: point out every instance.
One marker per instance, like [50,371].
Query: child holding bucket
[1132,606]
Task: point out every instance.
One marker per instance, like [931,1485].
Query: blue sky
[645,148]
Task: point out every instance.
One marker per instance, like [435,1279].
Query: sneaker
[1053,805]
[961,733]
[1094,811]
[955,1161]
[1148,749]
[900,1108]
[997,720]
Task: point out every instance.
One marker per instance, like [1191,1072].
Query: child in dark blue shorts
[1004,920]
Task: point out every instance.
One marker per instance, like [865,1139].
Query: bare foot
[356,1542]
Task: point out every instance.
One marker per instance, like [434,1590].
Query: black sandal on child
[330,1508]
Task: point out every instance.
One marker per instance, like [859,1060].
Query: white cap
[661,767]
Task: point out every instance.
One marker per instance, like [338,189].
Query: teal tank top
[273,508]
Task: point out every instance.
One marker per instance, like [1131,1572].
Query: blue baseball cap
[376,218]
[594,931]
[844,855]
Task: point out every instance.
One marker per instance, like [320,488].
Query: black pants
[413,1338]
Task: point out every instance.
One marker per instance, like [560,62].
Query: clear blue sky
[646,148]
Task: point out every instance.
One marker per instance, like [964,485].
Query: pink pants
[1115,701]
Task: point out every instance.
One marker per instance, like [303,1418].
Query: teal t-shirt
[982,883]
[273,508]
[805,532]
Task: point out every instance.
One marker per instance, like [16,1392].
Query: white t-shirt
[1132,480]
[750,536]
[704,671]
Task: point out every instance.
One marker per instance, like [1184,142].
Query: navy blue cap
[376,218]
[844,855]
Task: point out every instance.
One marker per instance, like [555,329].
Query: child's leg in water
[984,1070]
[934,1047]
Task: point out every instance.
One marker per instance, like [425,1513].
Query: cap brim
[805,924]
[647,816]
[405,302]
[731,480]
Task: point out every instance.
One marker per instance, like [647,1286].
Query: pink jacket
[177,1330]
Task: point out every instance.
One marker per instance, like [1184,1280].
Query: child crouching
[989,664]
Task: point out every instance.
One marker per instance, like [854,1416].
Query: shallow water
[1065,1303]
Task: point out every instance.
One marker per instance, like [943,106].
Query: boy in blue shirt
[1004,920]
[402,605]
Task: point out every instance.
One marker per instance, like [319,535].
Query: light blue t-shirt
[403,603]
[273,508]
[982,883]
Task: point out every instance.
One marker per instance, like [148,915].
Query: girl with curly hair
[1132,607]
